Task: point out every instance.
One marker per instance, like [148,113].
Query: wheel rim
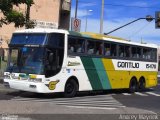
[69,88]
[142,85]
[133,86]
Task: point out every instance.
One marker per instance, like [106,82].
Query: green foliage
[14,16]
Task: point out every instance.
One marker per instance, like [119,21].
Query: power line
[139,30]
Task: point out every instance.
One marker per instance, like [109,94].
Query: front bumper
[27,86]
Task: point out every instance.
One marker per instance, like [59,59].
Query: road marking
[96,97]
[82,107]
[141,94]
[95,102]
[151,93]
[88,101]
[126,94]
[91,104]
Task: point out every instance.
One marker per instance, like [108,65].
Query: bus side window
[99,48]
[107,49]
[144,53]
[127,51]
[70,48]
[154,54]
[71,44]
[113,50]
[80,45]
[90,47]
[147,53]
[121,51]
[139,52]
[76,45]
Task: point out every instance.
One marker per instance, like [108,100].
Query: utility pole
[86,20]
[27,16]
[76,9]
[28,22]
[102,16]
[87,11]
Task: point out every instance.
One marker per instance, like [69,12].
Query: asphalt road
[110,104]
[148,100]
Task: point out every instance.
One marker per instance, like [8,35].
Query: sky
[118,13]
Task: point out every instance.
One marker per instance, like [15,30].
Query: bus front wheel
[133,85]
[71,88]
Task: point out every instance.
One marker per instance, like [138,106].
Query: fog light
[6,77]
[36,80]
[32,86]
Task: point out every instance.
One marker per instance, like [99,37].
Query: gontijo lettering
[127,65]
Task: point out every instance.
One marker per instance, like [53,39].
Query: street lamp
[148,18]
[87,12]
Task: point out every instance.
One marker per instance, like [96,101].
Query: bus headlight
[35,79]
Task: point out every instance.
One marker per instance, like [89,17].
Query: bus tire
[71,88]
[142,84]
[133,85]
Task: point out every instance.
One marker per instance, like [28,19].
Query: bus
[54,60]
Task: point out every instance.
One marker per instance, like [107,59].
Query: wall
[42,10]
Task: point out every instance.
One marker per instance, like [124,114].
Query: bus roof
[87,35]
[110,38]
[41,30]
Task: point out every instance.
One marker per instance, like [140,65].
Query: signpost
[76,24]
[44,24]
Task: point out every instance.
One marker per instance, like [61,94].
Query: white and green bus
[52,60]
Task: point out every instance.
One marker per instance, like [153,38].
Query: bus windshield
[26,60]
[32,39]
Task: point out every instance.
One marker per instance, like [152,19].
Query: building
[51,13]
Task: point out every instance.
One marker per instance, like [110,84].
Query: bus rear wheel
[71,88]
[133,85]
[142,84]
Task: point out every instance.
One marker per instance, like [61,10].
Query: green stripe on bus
[102,73]
[92,73]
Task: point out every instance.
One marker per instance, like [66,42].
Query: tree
[13,16]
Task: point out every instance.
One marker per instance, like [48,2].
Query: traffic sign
[76,24]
